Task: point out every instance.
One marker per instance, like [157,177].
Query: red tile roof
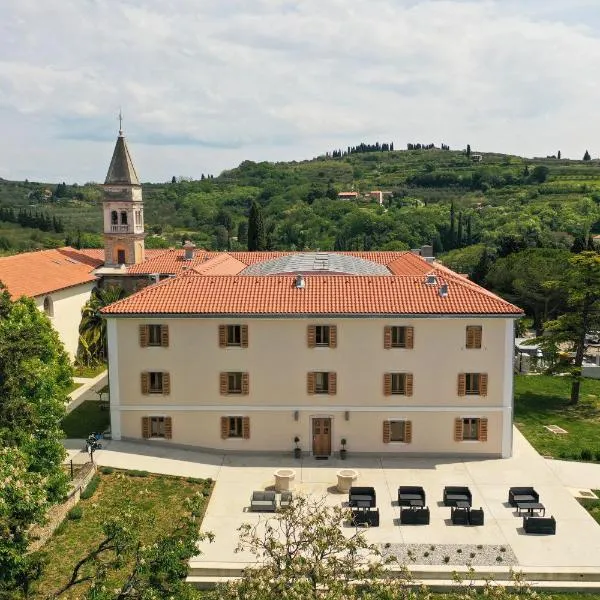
[36,273]
[171,262]
[197,294]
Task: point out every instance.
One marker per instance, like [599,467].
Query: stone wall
[56,515]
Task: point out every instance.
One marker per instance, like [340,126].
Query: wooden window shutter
[245,384]
[146,427]
[409,337]
[483,430]
[473,336]
[408,384]
[477,340]
[222,336]
[458,430]
[164,336]
[144,335]
[470,337]
[223,384]
[387,432]
[224,428]
[462,384]
[311,336]
[244,336]
[332,376]
[407,432]
[387,337]
[168,428]
[310,383]
[145,383]
[333,336]
[483,384]
[246,428]
[166,382]
[387,384]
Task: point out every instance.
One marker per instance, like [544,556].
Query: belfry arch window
[114,218]
[123,218]
[48,306]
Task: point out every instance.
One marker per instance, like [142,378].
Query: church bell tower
[123,209]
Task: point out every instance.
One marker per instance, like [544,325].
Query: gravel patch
[451,554]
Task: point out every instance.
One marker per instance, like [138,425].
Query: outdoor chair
[459,516]
[454,494]
[263,501]
[285,500]
[414,516]
[368,517]
[522,494]
[359,495]
[410,493]
[476,516]
[542,525]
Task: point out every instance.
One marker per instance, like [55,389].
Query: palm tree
[92,329]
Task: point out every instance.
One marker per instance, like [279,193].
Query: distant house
[476,157]
[348,195]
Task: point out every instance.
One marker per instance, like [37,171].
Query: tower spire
[120,122]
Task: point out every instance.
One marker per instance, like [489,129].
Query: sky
[206,84]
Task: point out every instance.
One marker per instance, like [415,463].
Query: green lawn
[87,417]
[73,539]
[89,372]
[543,400]
[73,387]
[592,506]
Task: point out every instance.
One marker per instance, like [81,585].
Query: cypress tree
[587,156]
[257,239]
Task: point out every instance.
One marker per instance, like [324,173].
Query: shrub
[107,470]
[75,513]
[597,454]
[446,559]
[90,488]
[195,480]
[498,559]
[586,454]
[459,550]
[137,473]
[472,554]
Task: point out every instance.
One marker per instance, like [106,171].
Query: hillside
[434,196]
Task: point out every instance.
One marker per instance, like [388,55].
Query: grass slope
[151,494]
[87,417]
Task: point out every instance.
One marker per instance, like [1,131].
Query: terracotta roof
[171,262]
[36,273]
[323,294]
[222,264]
[121,170]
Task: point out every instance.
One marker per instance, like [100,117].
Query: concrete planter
[284,479]
[346,477]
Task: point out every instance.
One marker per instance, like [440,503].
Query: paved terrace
[573,553]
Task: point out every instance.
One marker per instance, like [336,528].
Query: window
[154,335]
[48,306]
[234,382]
[324,336]
[397,336]
[235,427]
[138,217]
[471,429]
[121,257]
[157,427]
[322,382]
[231,336]
[156,382]
[397,430]
[123,218]
[114,218]
[473,335]
[398,383]
[472,384]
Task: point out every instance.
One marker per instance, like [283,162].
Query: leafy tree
[257,238]
[523,278]
[581,283]
[540,173]
[242,232]
[145,572]
[302,553]
[35,375]
[173,179]
[93,347]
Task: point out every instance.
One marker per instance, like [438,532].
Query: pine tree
[587,156]
[558,155]
[452,232]
[257,239]
[468,149]
[459,234]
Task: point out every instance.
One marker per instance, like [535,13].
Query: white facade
[278,406]
[63,307]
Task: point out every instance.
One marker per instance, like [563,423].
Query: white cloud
[204,85]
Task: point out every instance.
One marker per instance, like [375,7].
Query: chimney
[427,251]
[189,248]
[299,283]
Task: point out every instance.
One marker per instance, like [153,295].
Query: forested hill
[458,203]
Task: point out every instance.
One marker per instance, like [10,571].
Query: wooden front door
[321,430]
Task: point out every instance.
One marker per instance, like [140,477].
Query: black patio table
[530,507]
